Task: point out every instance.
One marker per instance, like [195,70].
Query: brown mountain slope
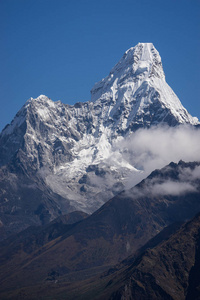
[169,271]
[167,267]
[117,229]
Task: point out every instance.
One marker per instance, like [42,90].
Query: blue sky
[60,48]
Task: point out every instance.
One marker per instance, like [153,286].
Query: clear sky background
[60,48]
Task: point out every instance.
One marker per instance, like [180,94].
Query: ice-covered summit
[137,64]
[136,85]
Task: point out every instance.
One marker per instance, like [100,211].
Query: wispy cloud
[150,149]
[186,180]
[173,188]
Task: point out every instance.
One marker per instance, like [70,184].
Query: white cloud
[172,188]
[154,148]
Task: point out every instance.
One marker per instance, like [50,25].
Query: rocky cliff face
[62,156]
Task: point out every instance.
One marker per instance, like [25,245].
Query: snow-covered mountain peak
[42,99]
[135,93]
[32,113]
[145,59]
[138,64]
[75,151]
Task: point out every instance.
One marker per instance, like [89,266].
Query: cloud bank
[154,148]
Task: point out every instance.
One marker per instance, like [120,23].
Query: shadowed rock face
[115,231]
[167,271]
[47,149]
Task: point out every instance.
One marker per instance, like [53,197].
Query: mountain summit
[137,94]
[64,157]
[138,64]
